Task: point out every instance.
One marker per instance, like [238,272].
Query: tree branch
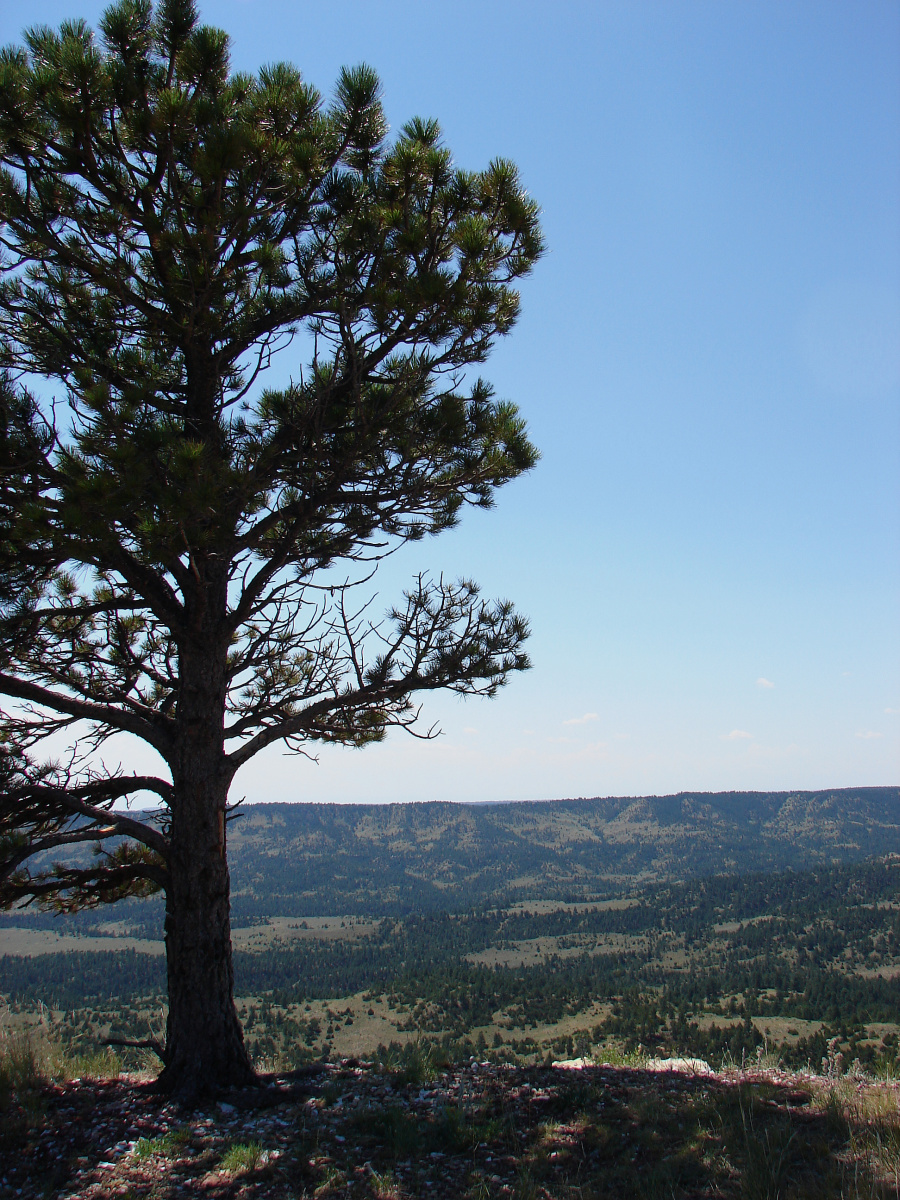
[100,714]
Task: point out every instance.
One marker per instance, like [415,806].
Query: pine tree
[179,544]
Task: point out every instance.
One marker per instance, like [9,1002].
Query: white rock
[689,1066]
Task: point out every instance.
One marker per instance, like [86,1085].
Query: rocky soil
[475,1131]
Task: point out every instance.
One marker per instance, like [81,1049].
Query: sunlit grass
[244,1156]
[169,1145]
[31,1057]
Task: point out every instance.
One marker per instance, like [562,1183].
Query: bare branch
[101,714]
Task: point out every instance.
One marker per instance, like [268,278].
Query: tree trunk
[205,1049]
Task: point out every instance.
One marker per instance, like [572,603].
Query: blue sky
[709,360]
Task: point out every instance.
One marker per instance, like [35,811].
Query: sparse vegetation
[385,1186]
[244,1156]
[792,968]
[472,1130]
[20,1073]
[169,1145]
[452,1020]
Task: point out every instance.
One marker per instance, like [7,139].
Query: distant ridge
[327,858]
[312,859]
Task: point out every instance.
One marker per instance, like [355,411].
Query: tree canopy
[179,543]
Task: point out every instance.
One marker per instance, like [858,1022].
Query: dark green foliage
[784,953]
[167,227]
[387,860]
[179,544]
[308,859]
[311,859]
[74,979]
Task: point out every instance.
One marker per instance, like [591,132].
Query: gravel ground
[475,1131]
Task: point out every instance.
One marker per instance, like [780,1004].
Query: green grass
[169,1145]
[244,1156]
[396,1132]
[415,1062]
[30,1058]
[21,1073]
[384,1186]
[463,1127]
[768,1154]
[102,1063]
[589,1135]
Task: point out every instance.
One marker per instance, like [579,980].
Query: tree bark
[205,1049]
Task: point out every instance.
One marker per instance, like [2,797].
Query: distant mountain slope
[296,859]
[384,860]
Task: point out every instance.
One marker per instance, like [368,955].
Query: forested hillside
[704,923]
[301,860]
[711,966]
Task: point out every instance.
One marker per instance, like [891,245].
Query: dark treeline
[455,994]
[801,945]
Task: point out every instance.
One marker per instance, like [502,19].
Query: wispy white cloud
[582,720]
[868,734]
[892,712]
[469,729]
[764,683]
[736,735]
